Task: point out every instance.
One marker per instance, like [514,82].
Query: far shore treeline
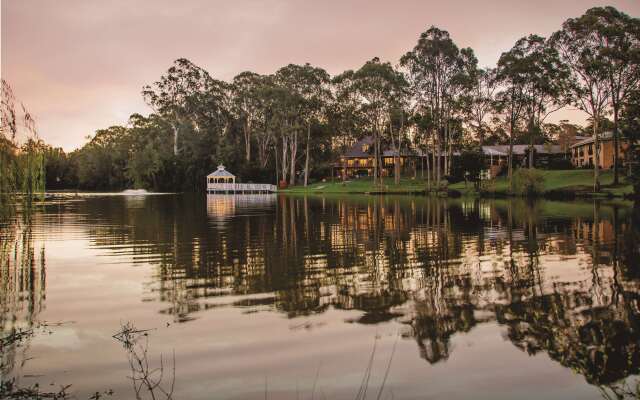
[293,124]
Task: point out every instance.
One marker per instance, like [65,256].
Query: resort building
[497,156]
[359,160]
[583,151]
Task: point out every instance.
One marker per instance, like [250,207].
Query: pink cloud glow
[79,65]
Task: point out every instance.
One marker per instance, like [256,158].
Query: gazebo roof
[221,172]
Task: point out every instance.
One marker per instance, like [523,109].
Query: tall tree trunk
[596,154]
[396,154]
[306,161]
[438,175]
[531,163]
[293,154]
[376,165]
[247,140]
[175,139]
[344,169]
[428,171]
[531,130]
[276,154]
[285,148]
[616,144]
[446,142]
[450,158]
[510,156]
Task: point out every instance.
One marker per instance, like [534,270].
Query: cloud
[80,64]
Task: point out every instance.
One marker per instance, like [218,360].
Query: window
[362,162]
[365,148]
[350,163]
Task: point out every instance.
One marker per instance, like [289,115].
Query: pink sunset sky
[79,65]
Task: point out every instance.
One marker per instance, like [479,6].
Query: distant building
[542,153]
[582,152]
[497,156]
[359,160]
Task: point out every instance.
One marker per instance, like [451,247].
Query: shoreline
[558,185]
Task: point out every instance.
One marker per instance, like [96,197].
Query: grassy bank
[564,182]
[362,185]
[577,182]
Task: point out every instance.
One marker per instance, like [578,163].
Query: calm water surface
[310,297]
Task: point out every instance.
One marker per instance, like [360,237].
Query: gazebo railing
[241,187]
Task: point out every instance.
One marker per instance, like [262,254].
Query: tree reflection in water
[22,290]
[562,278]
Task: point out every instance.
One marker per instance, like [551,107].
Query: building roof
[357,149]
[221,172]
[363,148]
[522,149]
[604,136]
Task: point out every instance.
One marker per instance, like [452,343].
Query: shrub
[528,182]
[488,186]
[469,167]
[560,163]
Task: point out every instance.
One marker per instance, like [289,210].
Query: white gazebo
[221,175]
[223,181]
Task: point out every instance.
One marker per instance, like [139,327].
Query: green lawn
[577,181]
[362,185]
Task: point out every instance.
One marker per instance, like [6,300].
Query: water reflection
[22,289]
[561,278]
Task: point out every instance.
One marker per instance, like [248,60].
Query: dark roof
[405,152]
[356,149]
[604,136]
[521,149]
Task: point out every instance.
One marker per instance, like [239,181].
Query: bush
[634,176]
[528,182]
[468,168]
[560,163]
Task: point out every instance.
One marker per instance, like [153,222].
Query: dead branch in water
[18,335]
[144,377]
[129,335]
[9,390]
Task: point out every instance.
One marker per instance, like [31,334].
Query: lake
[288,297]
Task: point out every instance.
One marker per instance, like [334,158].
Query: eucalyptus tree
[398,125]
[543,78]
[620,51]
[247,105]
[580,44]
[149,153]
[344,113]
[630,127]
[187,96]
[423,125]
[316,94]
[306,90]
[512,99]
[439,73]
[102,162]
[379,87]
[480,99]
